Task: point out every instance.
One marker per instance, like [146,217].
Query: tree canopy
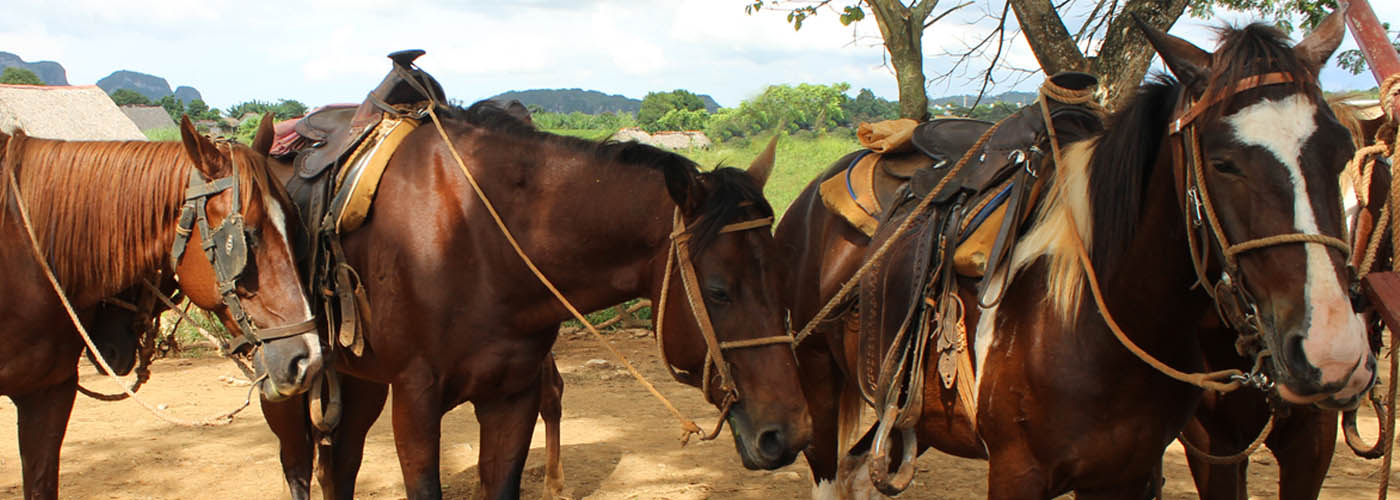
[128,97]
[15,75]
[657,105]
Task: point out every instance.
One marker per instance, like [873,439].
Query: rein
[714,353]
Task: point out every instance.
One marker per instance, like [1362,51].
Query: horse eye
[1225,167]
[718,295]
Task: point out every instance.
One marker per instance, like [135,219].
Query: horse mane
[728,188]
[1113,168]
[104,212]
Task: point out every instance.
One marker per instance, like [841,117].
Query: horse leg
[339,465]
[288,421]
[551,410]
[506,427]
[418,410]
[43,419]
[1303,446]
[1215,481]
[822,386]
[1015,475]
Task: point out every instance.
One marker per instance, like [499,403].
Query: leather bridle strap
[714,348]
[1193,110]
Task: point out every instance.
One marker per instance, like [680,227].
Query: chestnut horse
[105,214]
[1061,405]
[1303,437]
[458,317]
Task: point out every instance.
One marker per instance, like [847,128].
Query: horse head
[1258,154]
[232,257]
[745,363]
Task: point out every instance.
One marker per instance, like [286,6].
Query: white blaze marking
[279,221]
[1282,127]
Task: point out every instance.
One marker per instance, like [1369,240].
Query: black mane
[727,188]
[1122,163]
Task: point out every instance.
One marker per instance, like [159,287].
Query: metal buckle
[1193,198]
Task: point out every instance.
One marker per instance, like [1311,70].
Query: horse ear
[199,150]
[684,188]
[1188,62]
[1323,41]
[262,142]
[763,164]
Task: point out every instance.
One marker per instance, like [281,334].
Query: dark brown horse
[1061,405]
[104,215]
[457,317]
[1303,437]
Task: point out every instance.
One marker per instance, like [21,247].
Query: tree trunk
[902,29]
[1123,58]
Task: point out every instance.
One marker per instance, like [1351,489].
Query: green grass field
[163,134]
[800,158]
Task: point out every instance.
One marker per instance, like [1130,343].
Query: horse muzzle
[287,366]
[765,447]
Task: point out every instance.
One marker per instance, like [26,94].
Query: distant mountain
[186,94]
[1014,97]
[151,86]
[590,102]
[50,72]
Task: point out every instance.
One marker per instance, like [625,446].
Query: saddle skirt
[914,304]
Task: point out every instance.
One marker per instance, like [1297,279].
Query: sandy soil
[618,444]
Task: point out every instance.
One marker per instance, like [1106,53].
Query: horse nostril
[298,367]
[770,443]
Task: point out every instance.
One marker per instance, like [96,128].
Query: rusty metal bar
[1374,42]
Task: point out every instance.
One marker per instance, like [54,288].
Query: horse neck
[615,222]
[102,212]
[1156,270]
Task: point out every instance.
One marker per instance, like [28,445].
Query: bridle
[226,248]
[1236,306]
[714,348]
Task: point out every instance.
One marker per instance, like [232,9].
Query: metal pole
[1375,44]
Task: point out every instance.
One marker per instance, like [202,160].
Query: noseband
[714,348]
[226,248]
[1234,303]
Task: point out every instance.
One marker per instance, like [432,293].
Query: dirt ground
[618,443]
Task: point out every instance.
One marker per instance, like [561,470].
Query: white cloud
[323,51]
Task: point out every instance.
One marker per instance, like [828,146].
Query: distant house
[79,113]
[689,139]
[149,117]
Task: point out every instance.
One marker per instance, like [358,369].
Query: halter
[1234,303]
[714,348]
[226,248]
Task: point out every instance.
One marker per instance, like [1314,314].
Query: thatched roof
[81,113]
[149,117]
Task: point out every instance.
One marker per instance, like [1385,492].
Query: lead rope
[222,419]
[688,426]
[1389,90]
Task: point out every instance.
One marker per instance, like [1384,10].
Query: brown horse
[457,317]
[105,214]
[1303,437]
[1061,405]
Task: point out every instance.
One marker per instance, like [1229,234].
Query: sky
[327,51]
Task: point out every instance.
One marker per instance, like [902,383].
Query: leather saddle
[331,170]
[336,132]
[904,300]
